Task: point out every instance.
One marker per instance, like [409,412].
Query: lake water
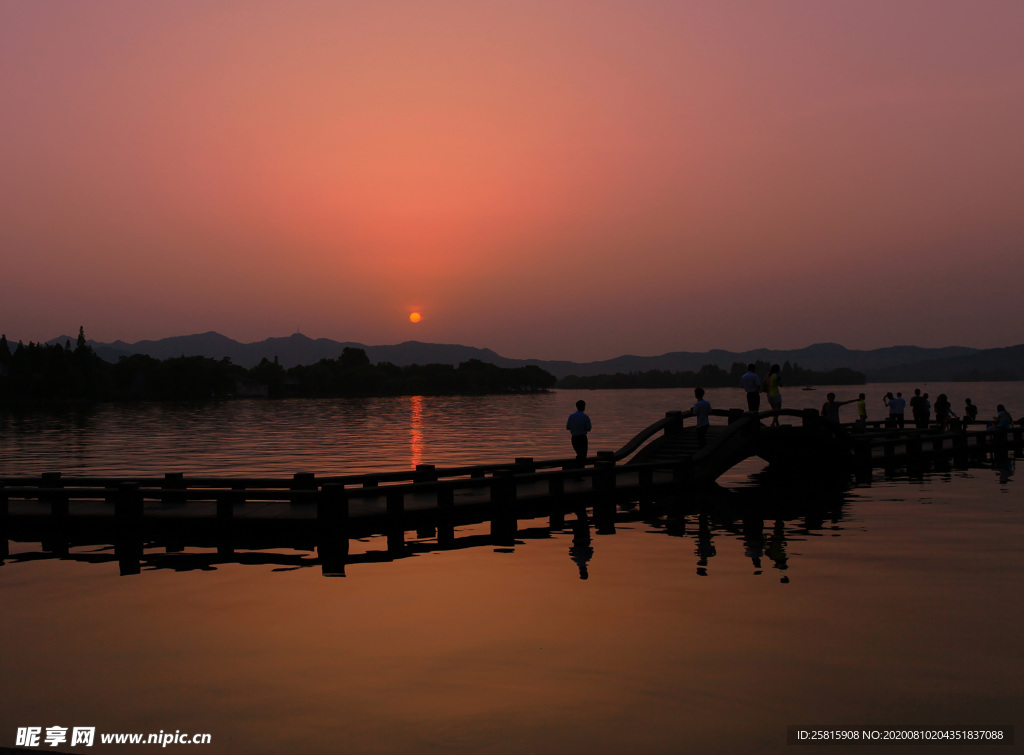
[892,604]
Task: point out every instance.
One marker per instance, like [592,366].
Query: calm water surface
[890,604]
[348,436]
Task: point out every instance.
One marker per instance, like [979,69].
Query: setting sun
[415,317]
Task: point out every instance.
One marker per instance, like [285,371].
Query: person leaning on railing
[1002,420]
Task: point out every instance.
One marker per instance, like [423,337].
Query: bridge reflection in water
[758,519]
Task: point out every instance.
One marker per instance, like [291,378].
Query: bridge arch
[812,445]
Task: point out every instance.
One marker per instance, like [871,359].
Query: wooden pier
[325,512]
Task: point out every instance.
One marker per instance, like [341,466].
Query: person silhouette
[897,407]
[773,385]
[578,426]
[830,409]
[702,411]
[919,408]
[751,383]
[943,411]
[970,412]
[581,550]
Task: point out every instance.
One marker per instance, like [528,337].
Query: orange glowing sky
[564,180]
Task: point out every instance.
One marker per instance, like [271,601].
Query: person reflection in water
[705,548]
[753,541]
[776,548]
[1005,471]
[581,551]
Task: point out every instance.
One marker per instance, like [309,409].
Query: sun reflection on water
[415,430]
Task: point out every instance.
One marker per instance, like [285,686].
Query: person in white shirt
[702,411]
[751,383]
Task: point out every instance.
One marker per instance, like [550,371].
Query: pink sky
[564,180]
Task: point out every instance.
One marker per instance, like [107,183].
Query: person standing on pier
[943,411]
[862,412]
[702,411]
[578,426]
[774,385]
[970,412]
[898,407]
[830,409]
[751,383]
[888,400]
[919,408]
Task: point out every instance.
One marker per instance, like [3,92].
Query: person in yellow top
[862,412]
[772,386]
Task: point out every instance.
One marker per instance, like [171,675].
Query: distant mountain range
[892,364]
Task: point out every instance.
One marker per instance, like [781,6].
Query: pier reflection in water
[698,513]
[580,525]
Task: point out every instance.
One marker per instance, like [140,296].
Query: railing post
[225,518]
[735,415]
[51,492]
[128,506]
[525,465]
[332,529]
[52,483]
[604,477]
[396,523]
[676,422]
[503,501]
[446,515]
[302,481]
[425,473]
[645,497]
[174,487]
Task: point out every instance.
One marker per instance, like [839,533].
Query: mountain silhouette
[893,363]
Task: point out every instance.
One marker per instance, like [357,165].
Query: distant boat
[808,388]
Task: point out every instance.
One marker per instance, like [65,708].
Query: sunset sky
[549,179]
